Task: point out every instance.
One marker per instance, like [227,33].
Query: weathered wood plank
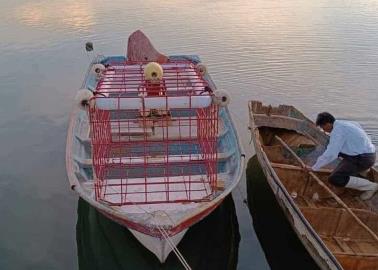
[293,167]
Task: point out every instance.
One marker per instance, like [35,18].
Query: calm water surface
[316,55]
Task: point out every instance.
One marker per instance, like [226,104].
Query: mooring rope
[165,235]
[174,248]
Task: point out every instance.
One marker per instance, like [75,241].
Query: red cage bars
[153,141]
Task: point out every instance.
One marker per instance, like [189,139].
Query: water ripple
[317,55]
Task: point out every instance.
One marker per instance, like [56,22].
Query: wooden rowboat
[338,229]
[153,146]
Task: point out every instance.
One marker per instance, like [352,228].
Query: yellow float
[153,72]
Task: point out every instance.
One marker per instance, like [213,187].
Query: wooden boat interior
[347,225]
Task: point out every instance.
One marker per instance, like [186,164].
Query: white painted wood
[158,246]
[161,102]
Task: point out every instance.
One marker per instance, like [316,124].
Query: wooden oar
[320,182]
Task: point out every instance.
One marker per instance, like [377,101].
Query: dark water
[316,55]
[282,247]
[211,244]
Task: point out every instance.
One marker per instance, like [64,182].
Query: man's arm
[336,142]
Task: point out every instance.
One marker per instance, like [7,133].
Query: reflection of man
[349,141]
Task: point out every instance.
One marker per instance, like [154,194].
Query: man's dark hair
[324,118]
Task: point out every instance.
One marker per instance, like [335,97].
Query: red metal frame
[148,155]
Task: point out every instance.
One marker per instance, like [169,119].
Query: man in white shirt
[349,141]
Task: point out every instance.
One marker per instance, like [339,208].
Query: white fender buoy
[221,98]
[153,72]
[98,70]
[83,97]
[201,69]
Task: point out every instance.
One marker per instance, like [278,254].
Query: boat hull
[80,174]
[149,235]
[154,231]
[336,227]
[161,247]
[306,234]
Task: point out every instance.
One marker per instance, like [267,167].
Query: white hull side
[158,246]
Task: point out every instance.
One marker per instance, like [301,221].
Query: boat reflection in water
[282,248]
[210,244]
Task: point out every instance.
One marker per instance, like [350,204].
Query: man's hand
[308,169]
[315,168]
